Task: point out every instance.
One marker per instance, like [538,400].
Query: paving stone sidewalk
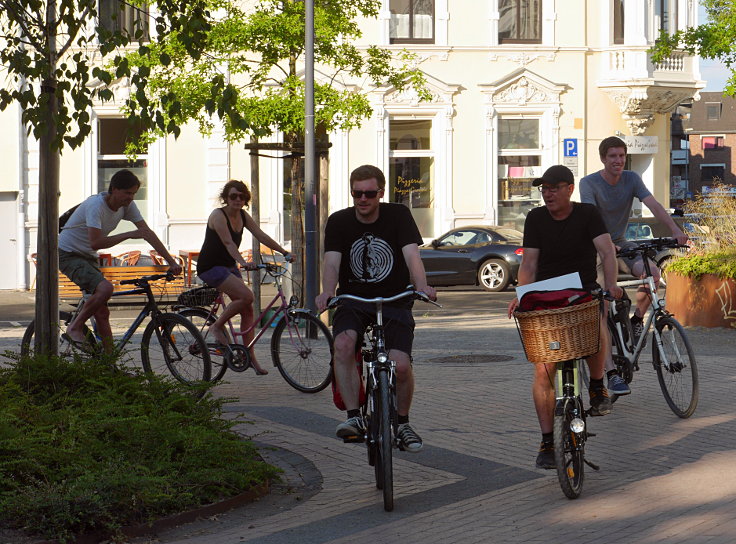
[662,479]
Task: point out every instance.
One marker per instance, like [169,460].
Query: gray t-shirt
[93,212]
[614,201]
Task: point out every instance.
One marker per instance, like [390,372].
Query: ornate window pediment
[522,88]
[442,93]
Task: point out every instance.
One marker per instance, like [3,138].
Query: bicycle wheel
[172,343]
[301,348]
[676,368]
[385,442]
[202,320]
[65,348]
[569,449]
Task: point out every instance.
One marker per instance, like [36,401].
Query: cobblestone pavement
[662,479]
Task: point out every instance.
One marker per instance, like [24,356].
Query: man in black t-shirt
[562,237]
[372,250]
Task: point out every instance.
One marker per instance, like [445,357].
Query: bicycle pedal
[355,439]
[591,465]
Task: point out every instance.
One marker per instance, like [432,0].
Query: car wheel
[494,275]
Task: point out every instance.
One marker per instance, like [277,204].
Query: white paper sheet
[568,281]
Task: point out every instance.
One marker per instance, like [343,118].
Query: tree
[248,76]
[715,39]
[57,58]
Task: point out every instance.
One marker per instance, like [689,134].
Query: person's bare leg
[543,394]
[404,381]
[348,380]
[234,288]
[92,306]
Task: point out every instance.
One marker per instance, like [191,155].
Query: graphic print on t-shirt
[371,259]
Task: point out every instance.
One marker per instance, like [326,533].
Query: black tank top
[213,252]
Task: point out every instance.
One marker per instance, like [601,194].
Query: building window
[411,170]
[412,21]
[120,16]
[713,111]
[712,173]
[618,22]
[519,163]
[662,15]
[112,137]
[712,142]
[520,21]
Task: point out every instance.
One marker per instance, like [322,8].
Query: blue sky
[713,72]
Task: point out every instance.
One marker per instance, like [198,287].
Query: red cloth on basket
[549,300]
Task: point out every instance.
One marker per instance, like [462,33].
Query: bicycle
[169,341]
[672,355]
[301,345]
[379,408]
[565,336]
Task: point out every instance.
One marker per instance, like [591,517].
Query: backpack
[64,217]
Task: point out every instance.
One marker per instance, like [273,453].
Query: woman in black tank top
[220,256]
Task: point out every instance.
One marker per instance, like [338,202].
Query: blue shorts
[398,323]
[218,274]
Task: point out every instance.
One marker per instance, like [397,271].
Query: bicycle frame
[565,388]
[150,308]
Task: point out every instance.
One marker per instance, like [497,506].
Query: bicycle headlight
[382,357]
[577,425]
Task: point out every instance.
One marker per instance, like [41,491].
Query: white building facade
[516,85]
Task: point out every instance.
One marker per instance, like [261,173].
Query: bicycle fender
[560,407]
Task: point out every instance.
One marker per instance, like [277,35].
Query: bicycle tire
[385,442]
[202,320]
[171,343]
[569,450]
[302,349]
[679,384]
[65,348]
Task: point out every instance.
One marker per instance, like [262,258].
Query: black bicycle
[170,342]
[379,409]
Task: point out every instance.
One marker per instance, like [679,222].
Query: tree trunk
[47,272]
[297,228]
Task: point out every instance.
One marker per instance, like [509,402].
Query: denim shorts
[398,323]
[84,270]
[218,274]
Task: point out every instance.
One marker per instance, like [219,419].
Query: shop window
[113,135]
[411,170]
[412,21]
[520,21]
[519,163]
[711,173]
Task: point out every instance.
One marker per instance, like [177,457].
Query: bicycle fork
[570,401]
[373,368]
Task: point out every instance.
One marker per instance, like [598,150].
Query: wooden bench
[68,290]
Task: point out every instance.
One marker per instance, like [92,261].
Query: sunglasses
[236,196]
[368,194]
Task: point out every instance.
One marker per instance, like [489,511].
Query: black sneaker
[637,328]
[408,439]
[546,455]
[353,427]
[600,403]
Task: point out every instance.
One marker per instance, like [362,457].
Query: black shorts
[398,323]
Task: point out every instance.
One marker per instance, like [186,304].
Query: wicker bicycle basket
[560,334]
[199,296]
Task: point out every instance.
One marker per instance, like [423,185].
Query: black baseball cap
[554,175]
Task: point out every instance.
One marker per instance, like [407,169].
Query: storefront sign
[642,145]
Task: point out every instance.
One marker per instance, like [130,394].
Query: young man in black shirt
[562,237]
[372,250]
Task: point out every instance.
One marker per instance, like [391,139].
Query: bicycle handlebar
[418,295]
[655,244]
[143,280]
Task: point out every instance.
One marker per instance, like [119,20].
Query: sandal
[83,346]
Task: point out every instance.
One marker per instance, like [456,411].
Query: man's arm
[330,275]
[527,273]
[97,241]
[149,236]
[605,248]
[661,214]
[416,270]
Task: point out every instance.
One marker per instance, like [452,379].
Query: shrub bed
[85,447]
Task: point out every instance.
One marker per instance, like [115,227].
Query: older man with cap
[560,238]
